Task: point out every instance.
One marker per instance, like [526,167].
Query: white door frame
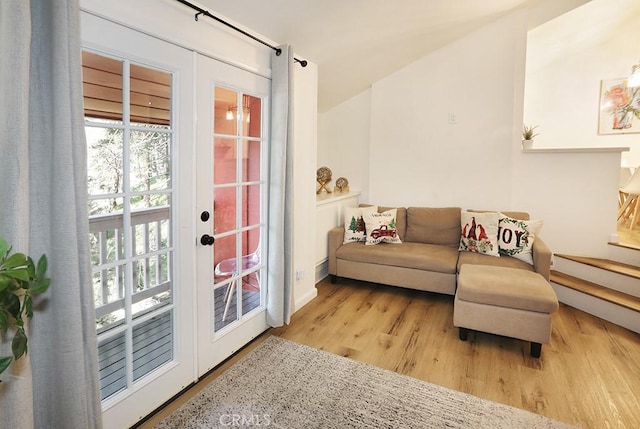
[125,408]
[214,347]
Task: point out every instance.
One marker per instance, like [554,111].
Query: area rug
[281,384]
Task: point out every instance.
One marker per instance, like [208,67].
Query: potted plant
[20,281]
[528,133]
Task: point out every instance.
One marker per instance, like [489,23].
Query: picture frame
[619,108]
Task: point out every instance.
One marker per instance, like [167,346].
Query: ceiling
[357,42]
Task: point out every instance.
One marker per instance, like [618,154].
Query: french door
[178,202]
[138,100]
[231,205]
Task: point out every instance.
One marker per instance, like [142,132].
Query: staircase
[606,288]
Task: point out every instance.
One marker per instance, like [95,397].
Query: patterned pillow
[515,237]
[479,232]
[381,227]
[354,226]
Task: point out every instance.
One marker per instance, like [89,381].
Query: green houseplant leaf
[11,304]
[4,248]
[4,282]
[5,361]
[528,132]
[17,260]
[41,270]
[19,343]
[4,322]
[40,285]
[20,281]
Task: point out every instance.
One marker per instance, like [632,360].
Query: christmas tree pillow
[381,227]
[479,232]
[354,226]
[515,237]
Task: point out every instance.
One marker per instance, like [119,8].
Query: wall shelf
[575,149]
[324,198]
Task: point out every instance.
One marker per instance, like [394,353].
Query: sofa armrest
[336,237]
[541,258]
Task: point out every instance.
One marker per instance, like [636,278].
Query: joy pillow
[354,226]
[515,237]
[381,227]
[479,232]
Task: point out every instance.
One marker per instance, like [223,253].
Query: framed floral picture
[619,107]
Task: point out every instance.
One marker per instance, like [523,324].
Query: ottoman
[505,301]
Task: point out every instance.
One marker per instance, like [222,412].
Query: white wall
[417,157]
[305,119]
[574,193]
[566,60]
[441,128]
[344,133]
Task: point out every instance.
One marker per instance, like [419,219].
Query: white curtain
[280,292]
[43,209]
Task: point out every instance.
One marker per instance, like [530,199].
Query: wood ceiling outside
[150,91]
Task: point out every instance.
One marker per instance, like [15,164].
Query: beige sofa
[499,295]
[505,301]
[428,258]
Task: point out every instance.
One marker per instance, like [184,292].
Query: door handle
[207,240]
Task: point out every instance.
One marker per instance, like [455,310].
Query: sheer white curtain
[43,209]
[280,293]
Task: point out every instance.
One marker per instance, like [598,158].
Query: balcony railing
[151,337]
[149,233]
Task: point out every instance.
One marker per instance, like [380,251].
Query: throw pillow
[515,237]
[381,227]
[479,232]
[354,226]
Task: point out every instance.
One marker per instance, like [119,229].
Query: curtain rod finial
[278,52]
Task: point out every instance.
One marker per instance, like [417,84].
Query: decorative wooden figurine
[323,177]
[342,185]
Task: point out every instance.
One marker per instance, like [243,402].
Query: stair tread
[616,297]
[625,245]
[605,264]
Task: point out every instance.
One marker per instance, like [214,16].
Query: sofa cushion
[434,225]
[479,232]
[381,227]
[354,225]
[480,259]
[420,256]
[506,287]
[401,218]
[515,215]
[516,237]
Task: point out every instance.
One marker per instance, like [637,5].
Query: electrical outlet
[299,274]
[453,119]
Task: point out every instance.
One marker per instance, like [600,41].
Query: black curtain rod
[201,11]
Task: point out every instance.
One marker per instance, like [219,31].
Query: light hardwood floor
[588,376]
[628,236]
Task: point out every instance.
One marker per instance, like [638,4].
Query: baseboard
[304,300]
[322,270]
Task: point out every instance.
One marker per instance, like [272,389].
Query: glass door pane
[237,200]
[231,160]
[130,139]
